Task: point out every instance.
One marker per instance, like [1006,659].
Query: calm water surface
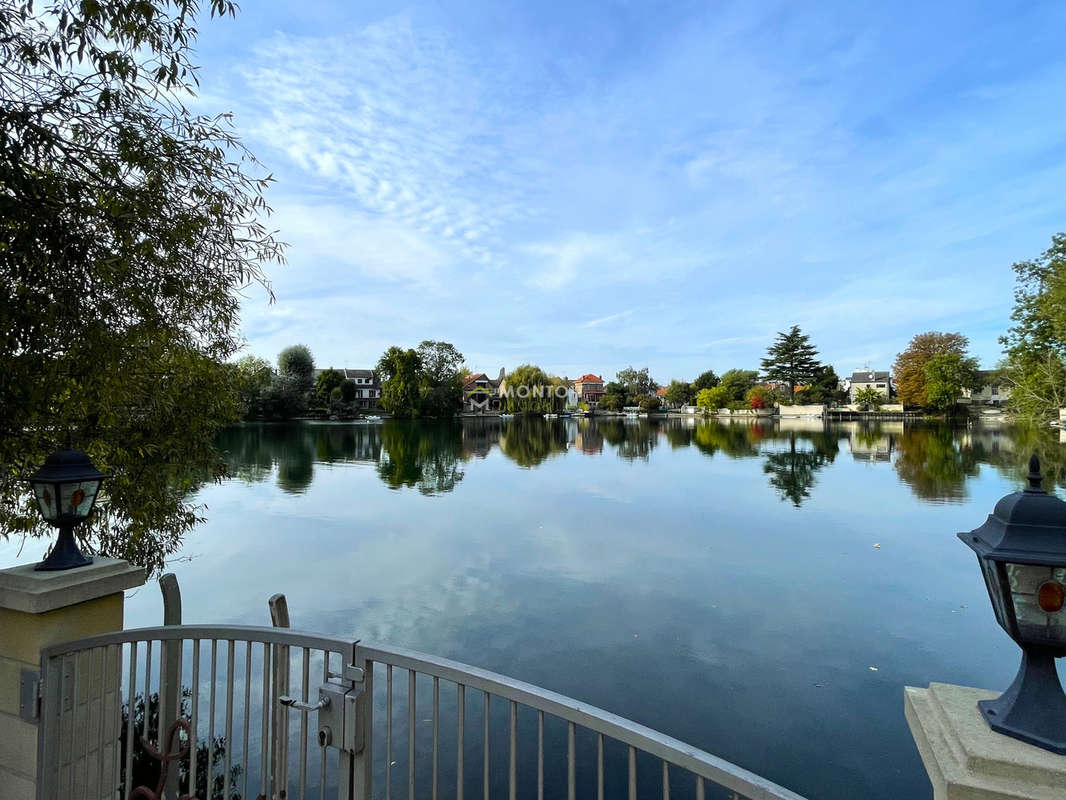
[764,592]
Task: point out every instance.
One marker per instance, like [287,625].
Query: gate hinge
[30,695]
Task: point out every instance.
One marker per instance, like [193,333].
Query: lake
[763,591]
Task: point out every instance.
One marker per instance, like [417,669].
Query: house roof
[470,380]
[869,375]
[589,378]
[661,391]
[351,373]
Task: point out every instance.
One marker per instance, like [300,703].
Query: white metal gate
[212,712]
[235,713]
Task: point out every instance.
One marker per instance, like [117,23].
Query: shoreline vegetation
[934,377]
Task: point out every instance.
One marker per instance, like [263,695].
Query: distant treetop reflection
[792,470]
[935,461]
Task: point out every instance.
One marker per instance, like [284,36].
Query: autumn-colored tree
[909,373]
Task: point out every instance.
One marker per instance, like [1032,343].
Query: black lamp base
[65,554]
[1033,708]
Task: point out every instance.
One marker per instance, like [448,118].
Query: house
[589,389]
[367,385]
[994,390]
[881,380]
[481,393]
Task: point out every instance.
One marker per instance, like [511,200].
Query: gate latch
[338,717]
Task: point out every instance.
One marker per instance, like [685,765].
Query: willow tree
[128,226]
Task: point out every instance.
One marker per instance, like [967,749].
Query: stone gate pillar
[38,609]
[967,760]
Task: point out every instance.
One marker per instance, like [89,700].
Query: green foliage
[325,383]
[253,376]
[908,371]
[401,390]
[297,363]
[529,390]
[128,228]
[1036,343]
[869,397]
[648,403]
[441,362]
[791,359]
[946,376]
[348,389]
[614,396]
[679,393]
[825,388]
[284,398]
[737,382]
[637,383]
[440,379]
[714,398]
[706,380]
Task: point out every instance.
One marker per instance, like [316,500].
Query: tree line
[425,381]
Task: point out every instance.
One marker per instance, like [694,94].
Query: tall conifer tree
[791,359]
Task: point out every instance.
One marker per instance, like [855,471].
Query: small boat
[506,416]
[551,416]
[373,418]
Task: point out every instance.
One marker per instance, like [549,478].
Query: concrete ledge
[801,411]
[24,589]
[967,760]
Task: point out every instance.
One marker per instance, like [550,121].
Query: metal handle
[299,705]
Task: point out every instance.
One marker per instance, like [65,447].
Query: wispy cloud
[592,323]
[719,171]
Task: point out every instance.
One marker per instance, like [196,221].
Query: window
[880,386]
[995,390]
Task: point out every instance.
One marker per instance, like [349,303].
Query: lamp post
[1022,552]
[66,488]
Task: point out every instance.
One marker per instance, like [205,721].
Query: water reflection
[792,471]
[934,461]
[528,441]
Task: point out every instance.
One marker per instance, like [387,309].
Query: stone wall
[801,411]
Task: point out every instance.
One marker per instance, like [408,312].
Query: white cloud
[557,264]
[359,244]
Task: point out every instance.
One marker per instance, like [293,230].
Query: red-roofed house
[589,389]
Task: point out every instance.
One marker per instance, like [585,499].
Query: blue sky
[591,185]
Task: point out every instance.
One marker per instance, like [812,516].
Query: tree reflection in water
[423,455]
[934,461]
[792,471]
[632,439]
[530,440]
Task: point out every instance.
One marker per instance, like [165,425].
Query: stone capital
[967,760]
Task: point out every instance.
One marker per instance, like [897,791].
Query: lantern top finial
[1036,480]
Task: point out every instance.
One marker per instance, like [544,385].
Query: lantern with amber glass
[1022,552]
[66,488]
